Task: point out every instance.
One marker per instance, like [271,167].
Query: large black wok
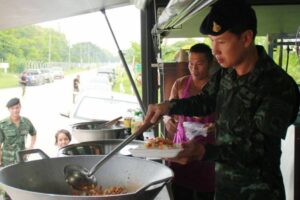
[44,179]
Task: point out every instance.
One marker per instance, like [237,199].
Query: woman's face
[228,49]
[62,140]
[198,65]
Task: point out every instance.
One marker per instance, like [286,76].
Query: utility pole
[49,48]
[80,54]
[69,60]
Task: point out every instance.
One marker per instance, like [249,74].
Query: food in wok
[99,191]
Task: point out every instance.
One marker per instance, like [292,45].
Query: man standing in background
[76,83]
[23,82]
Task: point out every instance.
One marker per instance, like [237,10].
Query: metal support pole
[126,66]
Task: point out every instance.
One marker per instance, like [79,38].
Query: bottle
[128,119]
[137,121]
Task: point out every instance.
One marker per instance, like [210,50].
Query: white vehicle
[48,75]
[96,105]
[58,72]
[98,82]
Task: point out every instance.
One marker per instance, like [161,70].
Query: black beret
[13,102]
[235,16]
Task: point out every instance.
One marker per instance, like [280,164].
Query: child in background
[62,138]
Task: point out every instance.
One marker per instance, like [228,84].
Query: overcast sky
[125,23]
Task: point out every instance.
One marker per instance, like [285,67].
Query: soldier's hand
[156,111]
[190,151]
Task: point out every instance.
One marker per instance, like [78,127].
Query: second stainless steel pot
[91,132]
[101,147]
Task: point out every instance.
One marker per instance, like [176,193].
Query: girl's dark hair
[202,48]
[66,132]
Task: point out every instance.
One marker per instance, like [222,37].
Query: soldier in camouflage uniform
[13,132]
[255,101]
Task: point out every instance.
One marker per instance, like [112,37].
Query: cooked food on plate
[160,143]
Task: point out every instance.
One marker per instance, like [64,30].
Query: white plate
[154,153]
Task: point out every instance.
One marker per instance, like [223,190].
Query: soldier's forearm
[32,143]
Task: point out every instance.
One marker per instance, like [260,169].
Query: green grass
[73,70]
[122,79]
[8,80]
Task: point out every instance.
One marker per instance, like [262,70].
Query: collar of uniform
[252,77]
[10,122]
[261,64]
[231,73]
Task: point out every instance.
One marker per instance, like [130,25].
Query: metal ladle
[83,179]
[102,125]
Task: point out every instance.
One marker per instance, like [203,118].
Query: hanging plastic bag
[193,129]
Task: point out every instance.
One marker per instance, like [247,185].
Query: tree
[28,44]
[86,52]
[169,50]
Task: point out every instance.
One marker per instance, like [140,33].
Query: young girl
[62,138]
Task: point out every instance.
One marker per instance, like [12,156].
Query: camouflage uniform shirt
[253,114]
[13,138]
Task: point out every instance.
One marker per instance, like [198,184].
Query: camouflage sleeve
[278,110]
[32,130]
[200,105]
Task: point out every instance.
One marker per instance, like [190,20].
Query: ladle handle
[109,123]
[142,129]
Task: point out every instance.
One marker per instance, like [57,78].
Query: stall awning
[182,18]
[177,12]
[15,13]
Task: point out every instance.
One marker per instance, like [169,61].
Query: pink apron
[197,175]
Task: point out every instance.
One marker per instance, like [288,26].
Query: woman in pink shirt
[195,180]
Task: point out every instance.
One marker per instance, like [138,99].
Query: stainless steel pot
[101,147]
[44,179]
[91,131]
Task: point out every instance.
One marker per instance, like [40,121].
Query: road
[42,105]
